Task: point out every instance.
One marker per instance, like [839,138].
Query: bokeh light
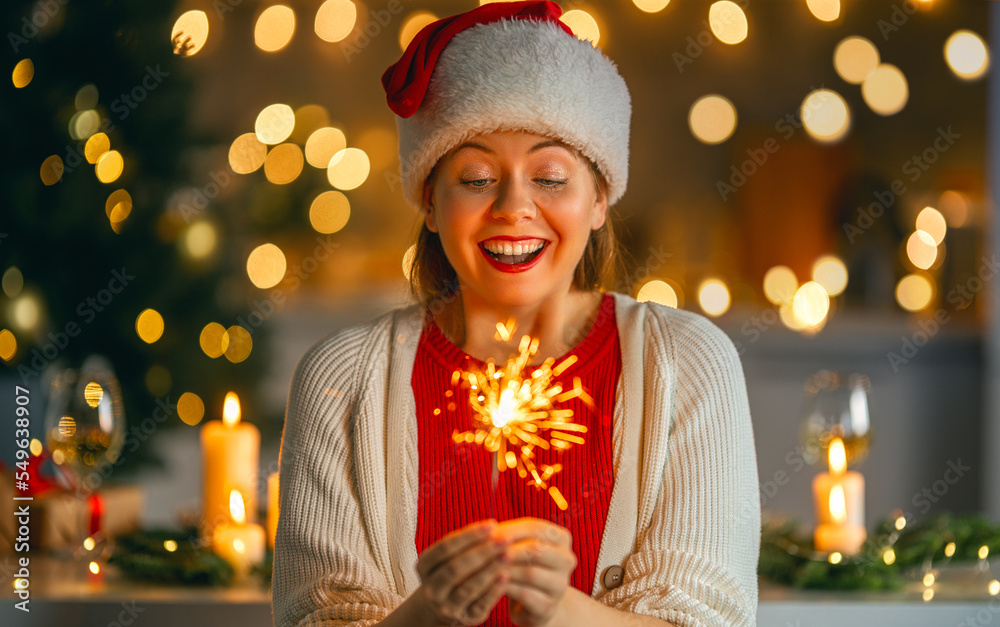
[266,266]
[109,167]
[8,345]
[831,273]
[855,58]
[713,297]
[158,380]
[728,22]
[190,408]
[214,340]
[348,168]
[200,240]
[86,97]
[25,312]
[885,90]
[824,10]
[651,6]
[247,153]
[932,222]
[190,32]
[914,292]
[93,393]
[274,28]
[921,249]
[825,115]
[780,284]
[966,54]
[118,206]
[712,119]
[12,282]
[96,146]
[322,144]
[583,25]
[24,71]
[83,124]
[335,20]
[274,123]
[51,170]
[329,212]
[149,325]
[283,164]
[955,208]
[240,344]
[811,304]
[658,291]
[412,25]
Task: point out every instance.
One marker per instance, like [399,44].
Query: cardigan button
[613,576]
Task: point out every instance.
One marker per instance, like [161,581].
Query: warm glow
[651,6]
[89,543]
[322,144]
[967,54]
[86,97]
[824,10]
[582,24]
[835,557]
[109,167]
[658,291]
[274,123]
[838,507]
[214,340]
[96,146]
[274,28]
[237,510]
[955,208]
[885,90]
[329,212]
[811,304]
[889,557]
[413,25]
[559,499]
[900,523]
[949,549]
[914,292]
[67,428]
[928,594]
[825,115]
[780,285]
[713,297]
[335,20]
[118,206]
[831,273]
[837,456]
[283,164]
[712,119]
[921,249]
[83,124]
[190,408]
[240,344]
[239,546]
[190,32]
[266,266]
[25,312]
[12,282]
[51,170]
[24,71]
[8,345]
[35,447]
[855,58]
[170,546]
[200,239]
[348,168]
[93,393]
[95,568]
[149,325]
[984,552]
[247,153]
[932,222]
[993,588]
[728,22]
[929,579]
[231,410]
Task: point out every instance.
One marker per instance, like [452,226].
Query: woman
[514,143]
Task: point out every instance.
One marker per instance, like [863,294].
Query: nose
[514,201]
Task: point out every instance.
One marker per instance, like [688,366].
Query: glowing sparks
[515,414]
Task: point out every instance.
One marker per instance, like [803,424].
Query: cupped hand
[541,562]
[463,575]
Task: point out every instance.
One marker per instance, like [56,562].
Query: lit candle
[272,508]
[238,542]
[840,505]
[230,455]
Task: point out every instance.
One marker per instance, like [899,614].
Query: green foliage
[142,555]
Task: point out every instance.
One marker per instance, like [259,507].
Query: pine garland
[143,555]
[788,556]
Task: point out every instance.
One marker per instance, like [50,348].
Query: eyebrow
[536,147]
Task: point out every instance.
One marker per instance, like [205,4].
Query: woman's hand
[463,575]
[542,561]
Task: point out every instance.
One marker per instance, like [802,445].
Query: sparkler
[515,414]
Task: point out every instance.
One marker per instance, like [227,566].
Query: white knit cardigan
[684,515]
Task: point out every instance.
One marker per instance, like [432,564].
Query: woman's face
[499,196]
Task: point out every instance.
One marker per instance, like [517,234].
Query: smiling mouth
[513,260]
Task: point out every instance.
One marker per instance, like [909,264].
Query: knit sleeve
[695,565]
[325,570]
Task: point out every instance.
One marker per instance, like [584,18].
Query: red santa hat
[507,66]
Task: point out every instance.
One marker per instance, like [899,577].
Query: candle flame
[838,457]
[231,410]
[838,505]
[237,510]
[515,413]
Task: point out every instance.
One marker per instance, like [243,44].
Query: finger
[454,572]
[453,544]
[533,552]
[548,582]
[476,585]
[524,528]
[534,601]
[480,608]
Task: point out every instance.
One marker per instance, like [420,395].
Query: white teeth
[517,249]
[506,248]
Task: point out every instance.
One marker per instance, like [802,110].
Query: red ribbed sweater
[455,480]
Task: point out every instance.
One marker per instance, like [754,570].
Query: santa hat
[507,66]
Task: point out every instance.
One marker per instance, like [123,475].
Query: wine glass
[85,432]
[836,406]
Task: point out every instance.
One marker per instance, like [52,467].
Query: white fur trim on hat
[519,75]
